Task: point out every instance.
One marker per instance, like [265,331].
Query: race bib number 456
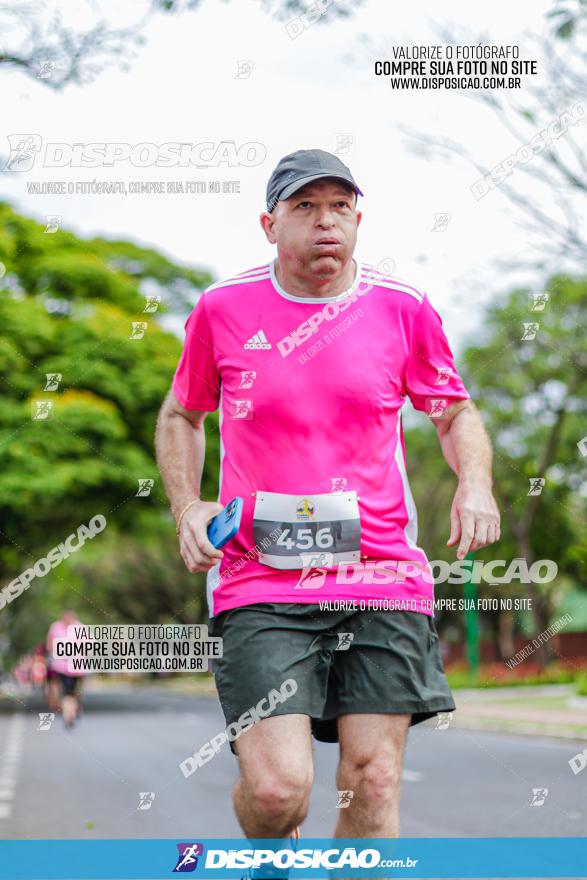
[312,530]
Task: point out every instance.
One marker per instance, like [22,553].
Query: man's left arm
[474,516]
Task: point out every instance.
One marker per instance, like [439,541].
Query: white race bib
[307,531]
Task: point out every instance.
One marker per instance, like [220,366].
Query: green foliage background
[90,454]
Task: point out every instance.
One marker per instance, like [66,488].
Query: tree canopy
[67,310]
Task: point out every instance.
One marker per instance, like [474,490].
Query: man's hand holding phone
[196,550]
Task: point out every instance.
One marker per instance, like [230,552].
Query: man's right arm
[180,444]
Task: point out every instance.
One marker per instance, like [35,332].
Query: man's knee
[280,795]
[373,780]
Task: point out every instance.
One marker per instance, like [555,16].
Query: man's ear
[267,222]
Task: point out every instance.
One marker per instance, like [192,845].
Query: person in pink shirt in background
[68,681]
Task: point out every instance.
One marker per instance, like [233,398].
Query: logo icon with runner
[444,374]
[188,857]
[312,576]
[243,409]
[311,579]
[437,407]
[247,378]
[23,151]
[338,485]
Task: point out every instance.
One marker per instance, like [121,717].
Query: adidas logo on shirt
[258,340]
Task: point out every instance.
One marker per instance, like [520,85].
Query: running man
[69,682]
[310,359]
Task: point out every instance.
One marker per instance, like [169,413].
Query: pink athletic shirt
[58,630]
[310,393]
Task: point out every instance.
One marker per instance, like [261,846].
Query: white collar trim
[314,299]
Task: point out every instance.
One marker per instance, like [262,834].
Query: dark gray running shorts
[343,662]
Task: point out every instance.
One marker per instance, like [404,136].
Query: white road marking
[9,764]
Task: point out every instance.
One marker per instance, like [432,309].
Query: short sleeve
[431,380]
[196,382]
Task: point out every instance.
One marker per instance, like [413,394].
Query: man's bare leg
[276,773]
[53,695]
[69,709]
[371,760]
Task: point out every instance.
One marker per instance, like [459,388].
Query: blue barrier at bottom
[227,858]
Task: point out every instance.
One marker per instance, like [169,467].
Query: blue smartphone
[226,524]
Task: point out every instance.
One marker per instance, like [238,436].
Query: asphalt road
[86,783]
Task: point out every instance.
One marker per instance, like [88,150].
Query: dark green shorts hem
[326,729]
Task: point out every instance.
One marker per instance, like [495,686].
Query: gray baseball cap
[297,169]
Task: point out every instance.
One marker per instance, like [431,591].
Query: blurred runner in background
[69,682]
[39,665]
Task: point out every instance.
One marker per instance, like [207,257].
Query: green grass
[467,679]
[582,684]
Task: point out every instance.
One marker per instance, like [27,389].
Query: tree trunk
[506,635]
[541,610]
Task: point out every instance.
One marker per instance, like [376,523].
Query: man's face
[316,227]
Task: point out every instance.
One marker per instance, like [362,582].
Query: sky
[183,85]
